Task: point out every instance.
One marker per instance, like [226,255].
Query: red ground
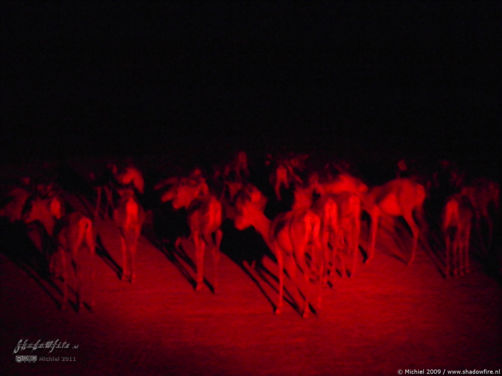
[387,317]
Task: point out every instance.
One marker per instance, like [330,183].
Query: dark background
[132,78]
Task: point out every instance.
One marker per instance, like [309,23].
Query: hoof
[198,287]
[278,311]
[306,313]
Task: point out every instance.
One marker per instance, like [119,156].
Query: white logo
[26,358]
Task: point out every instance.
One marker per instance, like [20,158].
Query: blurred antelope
[399,197]
[238,168]
[456,228]
[288,236]
[14,202]
[131,176]
[104,190]
[113,181]
[204,220]
[483,195]
[341,228]
[129,217]
[343,194]
[285,172]
[69,232]
[302,205]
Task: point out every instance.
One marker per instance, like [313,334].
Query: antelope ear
[56,208]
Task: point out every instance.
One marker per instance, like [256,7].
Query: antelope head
[249,205]
[43,210]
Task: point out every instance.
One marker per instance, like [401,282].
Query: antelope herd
[315,236]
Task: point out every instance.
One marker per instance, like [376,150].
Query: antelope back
[188,191]
[131,175]
[344,183]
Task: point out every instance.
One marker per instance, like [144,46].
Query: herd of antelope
[315,237]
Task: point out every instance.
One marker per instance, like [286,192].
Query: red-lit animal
[237,169]
[303,203]
[14,200]
[104,186]
[285,173]
[484,196]
[130,175]
[341,183]
[447,177]
[288,236]
[128,216]
[341,229]
[69,232]
[347,191]
[232,189]
[204,220]
[327,210]
[113,181]
[456,228]
[399,197]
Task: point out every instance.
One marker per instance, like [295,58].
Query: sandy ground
[387,317]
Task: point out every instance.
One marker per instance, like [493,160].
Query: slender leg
[415,231]
[65,278]
[489,224]
[199,245]
[177,243]
[98,202]
[477,221]
[133,247]
[373,231]
[124,257]
[280,266]
[321,261]
[355,238]
[216,256]
[467,244]
[53,267]
[277,189]
[78,282]
[91,271]
[334,254]
[448,254]
[325,254]
[455,255]
[109,201]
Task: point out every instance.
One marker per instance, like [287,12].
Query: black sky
[127,76]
